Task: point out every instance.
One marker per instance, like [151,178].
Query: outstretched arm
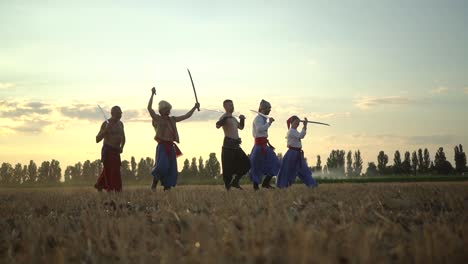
[150,105]
[188,114]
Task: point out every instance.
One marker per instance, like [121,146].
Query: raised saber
[314,122]
[260,113]
[193,86]
[311,122]
[217,111]
[104,114]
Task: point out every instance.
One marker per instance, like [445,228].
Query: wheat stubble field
[335,223]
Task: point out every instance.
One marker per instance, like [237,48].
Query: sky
[386,75]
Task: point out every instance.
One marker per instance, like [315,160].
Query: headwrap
[164,105]
[264,104]
[289,121]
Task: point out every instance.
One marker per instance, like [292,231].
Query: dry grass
[336,223]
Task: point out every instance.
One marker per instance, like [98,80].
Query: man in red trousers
[112,131]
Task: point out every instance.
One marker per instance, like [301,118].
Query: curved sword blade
[193,86]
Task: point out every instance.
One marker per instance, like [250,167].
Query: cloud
[82,111]
[35,127]
[4,85]
[439,90]
[331,115]
[367,102]
[21,109]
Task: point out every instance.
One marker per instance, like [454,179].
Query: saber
[104,114]
[260,113]
[311,122]
[193,86]
[217,111]
[314,122]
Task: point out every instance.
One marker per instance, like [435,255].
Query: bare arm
[188,114]
[122,144]
[242,122]
[152,113]
[102,132]
[221,121]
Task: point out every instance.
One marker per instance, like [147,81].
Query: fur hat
[264,104]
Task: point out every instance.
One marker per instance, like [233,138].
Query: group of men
[263,163]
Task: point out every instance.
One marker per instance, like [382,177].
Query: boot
[266,183]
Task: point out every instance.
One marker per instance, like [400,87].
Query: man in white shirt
[233,159]
[263,158]
[294,162]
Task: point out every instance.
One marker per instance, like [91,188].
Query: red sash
[168,145]
[262,141]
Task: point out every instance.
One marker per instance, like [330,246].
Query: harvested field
[335,223]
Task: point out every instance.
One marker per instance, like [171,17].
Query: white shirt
[260,127]
[294,137]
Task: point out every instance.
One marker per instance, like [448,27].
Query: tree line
[339,162]
[50,172]
[417,162]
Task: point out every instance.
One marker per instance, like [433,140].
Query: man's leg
[266,182]
[235,182]
[227,178]
[154,184]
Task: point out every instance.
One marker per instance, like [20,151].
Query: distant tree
[357,165]
[133,166]
[67,175]
[213,167]
[460,159]
[193,167]
[126,172]
[6,173]
[144,169]
[201,167]
[406,164]
[325,169]
[43,172]
[77,172]
[421,161]
[185,172]
[318,166]
[371,170]
[55,171]
[32,171]
[382,160]
[97,168]
[336,161]
[87,171]
[441,165]
[149,163]
[349,164]
[397,166]
[414,162]
[17,173]
[427,161]
[24,174]
[332,161]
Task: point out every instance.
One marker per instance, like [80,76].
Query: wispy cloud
[439,90]
[367,102]
[4,85]
[22,109]
[385,140]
